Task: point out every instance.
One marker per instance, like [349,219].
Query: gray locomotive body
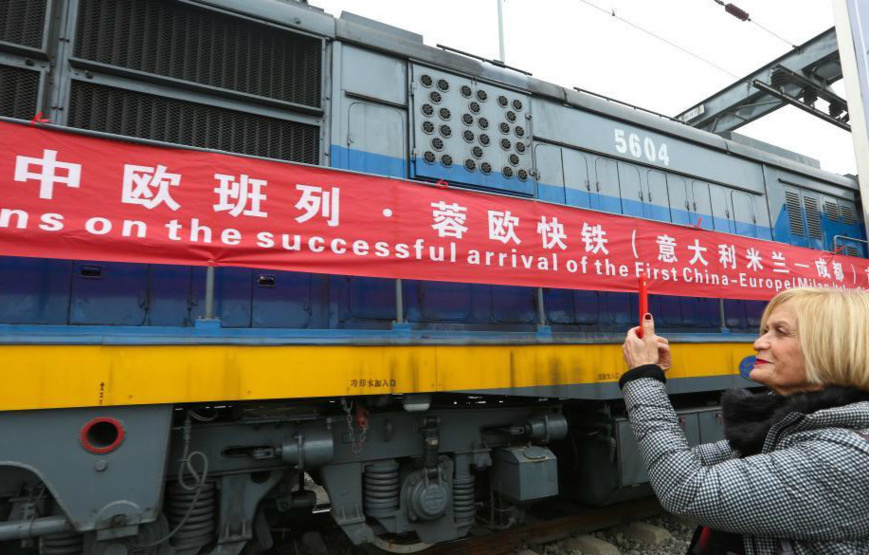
[282,80]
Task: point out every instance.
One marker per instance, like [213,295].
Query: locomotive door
[110,293]
[680,203]
[564,178]
[796,226]
[830,221]
[657,205]
[702,313]
[721,214]
[605,193]
[849,227]
[34,290]
[744,217]
[376,143]
[646,198]
[812,211]
[577,186]
[632,193]
[550,173]
[376,140]
[701,205]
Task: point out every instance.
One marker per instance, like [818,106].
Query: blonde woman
[792,475]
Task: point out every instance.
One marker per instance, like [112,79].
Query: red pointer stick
[644,302]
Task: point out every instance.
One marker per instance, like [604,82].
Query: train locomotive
[174,410]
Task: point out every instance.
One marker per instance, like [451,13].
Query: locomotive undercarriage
[167,480]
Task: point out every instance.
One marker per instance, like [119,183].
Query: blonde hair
[833,333]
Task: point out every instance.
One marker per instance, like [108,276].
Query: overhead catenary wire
[789,43]
[743,15]
[660,38]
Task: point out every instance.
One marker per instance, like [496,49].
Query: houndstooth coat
[805,492]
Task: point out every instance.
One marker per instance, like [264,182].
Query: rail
[545,531]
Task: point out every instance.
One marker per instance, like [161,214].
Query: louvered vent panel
[847,215]
[795,218]
[22,22]
[852,251]
[146,116]
[832,210]
[19,90]
[813,217]
[177,40]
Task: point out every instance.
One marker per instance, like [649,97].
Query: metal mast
[852,30]
[500,30]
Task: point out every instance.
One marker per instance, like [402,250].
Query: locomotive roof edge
[371,34]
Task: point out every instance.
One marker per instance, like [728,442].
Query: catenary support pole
[852,33]
[500,30]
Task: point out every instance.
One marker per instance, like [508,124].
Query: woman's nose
[761,343]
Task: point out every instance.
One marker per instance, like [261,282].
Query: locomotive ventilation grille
[441,97]
[831,209]
[813,217]
[176,40]
[847,215]
[23,22]
[146,116]
[19,89]
[795,218]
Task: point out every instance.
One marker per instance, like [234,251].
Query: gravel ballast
[677,545]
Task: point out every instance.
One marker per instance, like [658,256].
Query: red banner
[70,196]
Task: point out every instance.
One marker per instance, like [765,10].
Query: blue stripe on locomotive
[56,292]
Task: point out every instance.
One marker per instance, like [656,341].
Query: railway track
[546,531]
[565,529]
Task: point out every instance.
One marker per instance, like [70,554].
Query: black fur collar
[749,416]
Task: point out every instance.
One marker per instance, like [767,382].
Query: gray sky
[572,44]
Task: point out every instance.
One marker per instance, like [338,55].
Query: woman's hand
[651,349]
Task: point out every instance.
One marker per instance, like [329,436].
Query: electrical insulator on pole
[734,10]
[737,12]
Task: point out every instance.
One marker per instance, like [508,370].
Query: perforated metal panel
[462,133]
[22,22]
[19,91]
[180,41]
[146,116]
